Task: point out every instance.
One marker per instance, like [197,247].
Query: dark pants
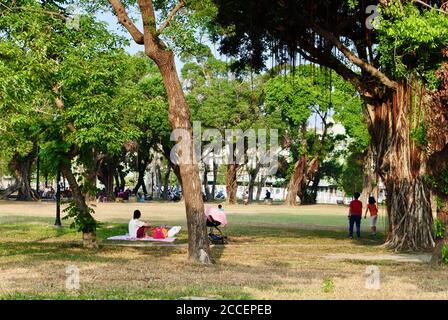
[355,220]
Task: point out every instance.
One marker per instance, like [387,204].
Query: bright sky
[133,48]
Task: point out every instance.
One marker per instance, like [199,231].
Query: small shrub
[445,254]
[439,229]
[328,285]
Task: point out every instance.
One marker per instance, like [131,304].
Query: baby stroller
[216,218]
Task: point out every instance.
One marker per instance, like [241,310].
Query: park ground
[274,252]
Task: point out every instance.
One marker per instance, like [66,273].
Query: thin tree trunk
[252,178]
[159,181]
[89,229]
[166,182]
[260,186]
[121,177]
[215,176]
[231,183]
[141,177]
[369,182]
[205,182]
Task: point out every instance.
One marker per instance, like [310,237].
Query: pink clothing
[217,215]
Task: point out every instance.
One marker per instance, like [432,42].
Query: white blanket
[126,237]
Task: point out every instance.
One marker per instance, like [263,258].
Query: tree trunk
[295,183]
[402,166]
[90,177]
[252,178]
[89,227]
[166,182]
[22,169]
[260,186]
[179,117]
[369,177]
[231,183]
[442,216]
[205,182]
[215,176]
[142,165]
[158,181]
[121,177]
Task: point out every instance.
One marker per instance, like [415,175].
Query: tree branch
[171,15]
[356,60]
[31,9]
[429,6]
[126,22]
[333,63]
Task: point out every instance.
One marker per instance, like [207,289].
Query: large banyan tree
[391,64]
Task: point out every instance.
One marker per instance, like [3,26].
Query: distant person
[138,228]
[373,209]
[220,207]
[268,194]
[354,215]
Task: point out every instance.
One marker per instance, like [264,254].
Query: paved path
[415,258]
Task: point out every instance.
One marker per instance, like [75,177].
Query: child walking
[355,215]
[373,209]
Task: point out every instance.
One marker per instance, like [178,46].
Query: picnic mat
[126,237]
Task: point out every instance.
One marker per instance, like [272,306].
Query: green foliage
[445,254]
[419,134]
[328,285]
[82,220]
[351,179]
[439,229]
[411,40]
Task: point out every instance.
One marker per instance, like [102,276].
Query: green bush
[445,254]
[439,229]
[82,221]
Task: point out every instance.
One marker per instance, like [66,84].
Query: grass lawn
[274,252]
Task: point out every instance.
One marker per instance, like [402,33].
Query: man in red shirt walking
[354,215]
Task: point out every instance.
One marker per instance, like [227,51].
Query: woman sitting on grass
[138,228]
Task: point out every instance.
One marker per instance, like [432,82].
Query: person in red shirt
[354,215]
[373,209]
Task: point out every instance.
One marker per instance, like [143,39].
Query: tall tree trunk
[89,228]
[402,166]
[231,183]
[179,117]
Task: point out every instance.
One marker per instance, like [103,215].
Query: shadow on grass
[251,233]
